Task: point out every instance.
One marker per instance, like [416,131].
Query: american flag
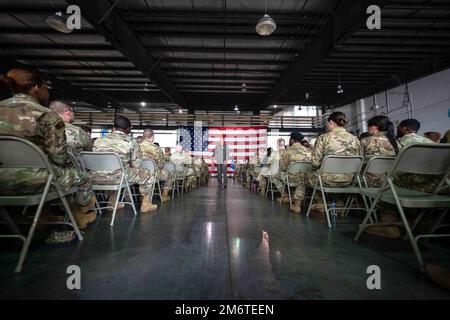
[242,141]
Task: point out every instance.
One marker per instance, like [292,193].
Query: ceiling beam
[348,16]
[118,32]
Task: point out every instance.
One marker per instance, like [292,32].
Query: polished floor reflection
[221,244]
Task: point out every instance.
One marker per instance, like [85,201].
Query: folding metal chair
[180,178]
[172,169]
[108,161]
[376,166]
[414,159]
[20,153]
[150,165]
[294,169]
[256,172]
[338,165]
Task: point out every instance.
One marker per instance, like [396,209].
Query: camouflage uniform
[131,155]
[22,116]
[77,139]
[205,172]
[376,145]
[294,153]
[198,168]
[250,174]
[425,183]
[152,151]
[181,158]
[336,142]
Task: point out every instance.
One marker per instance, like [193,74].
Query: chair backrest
[20,153]
[379,165]
[101,161]
[342,164]
[423,159]
[179,168]
[299,166]
[169,166]
[149,164]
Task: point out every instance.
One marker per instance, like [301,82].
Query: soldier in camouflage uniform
[152,151]
[337,141]
[381,142]
[77,139]
[120,142]
[295,152]
[24,116]
[407,134]
[179,158]
[274,166]
[167,154]
[205,172]
[255,161]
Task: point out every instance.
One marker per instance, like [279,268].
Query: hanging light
[275,106]
[339,87]
[307,95]
[266,25]
[244,87]
[143,104]
[236,108]
[58,21]
[180,111]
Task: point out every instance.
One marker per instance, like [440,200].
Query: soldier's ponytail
[339,118]
[385,125]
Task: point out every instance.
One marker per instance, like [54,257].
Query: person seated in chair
[120,142]
[25,116]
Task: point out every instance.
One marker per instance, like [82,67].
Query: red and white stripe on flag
[243,143]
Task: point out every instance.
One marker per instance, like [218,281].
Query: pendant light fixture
[58,21]
[339,87]
[266,25]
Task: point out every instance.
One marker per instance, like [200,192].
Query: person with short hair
[139,139]
[271,165]
[221,155]
[120,142]
[151,151]
[407,133]
[295,152]
[25,116]
[77,139]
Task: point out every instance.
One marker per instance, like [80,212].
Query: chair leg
[9,222]
[69,214]
[312,199]
[325,202]
[132,200]
[26,245]
[115,206]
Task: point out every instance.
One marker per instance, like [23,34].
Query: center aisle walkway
[219,244]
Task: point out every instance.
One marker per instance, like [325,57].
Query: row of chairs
[421,159]
[24,154]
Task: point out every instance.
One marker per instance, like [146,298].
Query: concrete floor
[221,244]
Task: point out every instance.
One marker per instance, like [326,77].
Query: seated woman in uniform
[382,141]
[337,141]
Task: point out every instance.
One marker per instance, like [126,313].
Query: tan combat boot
[112,201]
[391,232]
[262,191]
[283,200]
[165,196]
[147,206]
[319,207]
[83,218]
[296,206]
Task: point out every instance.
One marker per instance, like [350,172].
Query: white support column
[361,112]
